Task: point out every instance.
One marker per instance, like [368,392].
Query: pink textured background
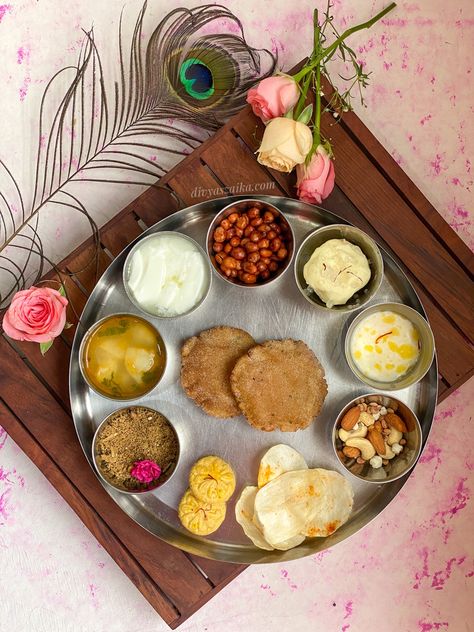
[412,569]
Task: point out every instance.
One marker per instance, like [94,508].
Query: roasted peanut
[251,247]
[238,253]
[268,217]
[276,244]
[225,224]
[229,262]
[282,253]
[265,253]
[242,222]
[249,267]
[233,217]
[248,278]
[265,274]
[255,237]
[234,242]
[219,234]
[227,248]
[263,243]
[253,212]
[253,257]
[217,247]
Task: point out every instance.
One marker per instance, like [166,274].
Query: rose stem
[330,50]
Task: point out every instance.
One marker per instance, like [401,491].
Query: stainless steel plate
[276,311]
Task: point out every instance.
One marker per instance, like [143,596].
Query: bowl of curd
[389,346]
[167,274]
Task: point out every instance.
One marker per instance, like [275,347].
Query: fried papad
[279,385]
[206,363]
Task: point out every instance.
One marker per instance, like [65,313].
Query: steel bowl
[243,205]
[427,344]
[126,274]
[400,464]
[85,340]
[357,237]
[124,490]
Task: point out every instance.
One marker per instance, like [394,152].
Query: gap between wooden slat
[60,473]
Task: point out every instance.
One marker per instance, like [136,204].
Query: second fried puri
[279,385]
[206,363]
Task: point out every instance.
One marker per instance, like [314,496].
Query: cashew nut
[394,436]
[389,453]
[367,450]
[344,435]
[367,419]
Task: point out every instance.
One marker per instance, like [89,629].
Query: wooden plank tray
[372,192]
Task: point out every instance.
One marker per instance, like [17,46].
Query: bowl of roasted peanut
[250,243]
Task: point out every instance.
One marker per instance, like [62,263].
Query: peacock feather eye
[196,78]
[203,75]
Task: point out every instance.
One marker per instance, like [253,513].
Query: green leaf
[68,325]
[306,114]
[44,346]
[61,290]
[289,114]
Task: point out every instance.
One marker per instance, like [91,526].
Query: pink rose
[36,315]
[145,471]
[273,97]
[315,181]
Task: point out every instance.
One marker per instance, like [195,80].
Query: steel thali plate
[276,311]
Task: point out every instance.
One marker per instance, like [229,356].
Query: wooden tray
[372,192]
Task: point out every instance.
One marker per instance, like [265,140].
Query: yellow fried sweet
[211,479]
[201,518]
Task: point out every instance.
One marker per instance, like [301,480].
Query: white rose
[285,144]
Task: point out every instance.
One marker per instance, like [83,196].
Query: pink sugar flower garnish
[145,471]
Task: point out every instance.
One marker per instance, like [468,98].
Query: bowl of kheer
[338,268]
[389,346]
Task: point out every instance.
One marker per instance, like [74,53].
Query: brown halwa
[135,434]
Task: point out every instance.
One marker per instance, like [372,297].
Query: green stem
[317,116]
[317,81]
[330,50]
[302,99]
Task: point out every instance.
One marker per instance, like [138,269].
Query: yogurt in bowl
[167,274]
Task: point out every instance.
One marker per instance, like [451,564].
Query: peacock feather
[170,92]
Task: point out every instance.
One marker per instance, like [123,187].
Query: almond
[352,453]
[350,418]
[376,439]
[396,422]
[378,426]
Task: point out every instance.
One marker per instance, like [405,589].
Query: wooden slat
[53,367]
[153,208]
[218,572]
[194,184]
[86,512]
[119,234]
[85,268]
[245,171]
[44,418]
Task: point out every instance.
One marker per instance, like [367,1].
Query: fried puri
[206,363]
[279,385]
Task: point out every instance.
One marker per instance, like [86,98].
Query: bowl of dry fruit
[250,243]
[135,449]
[377,438]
